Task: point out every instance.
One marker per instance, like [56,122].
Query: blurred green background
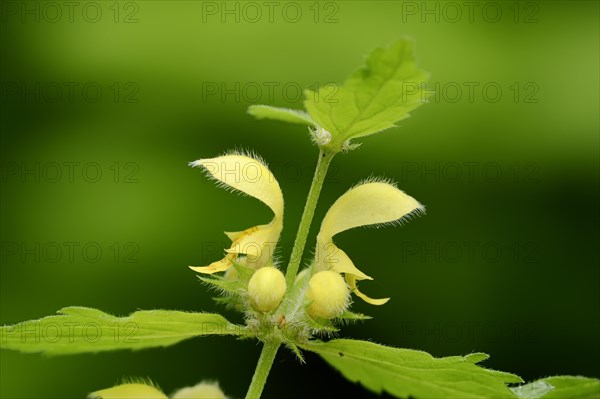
[104,103]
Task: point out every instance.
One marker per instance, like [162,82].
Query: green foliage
[560,387]
[407,372]
[280,114]
[232,287]
[349,317]
[373,98]
[80,330]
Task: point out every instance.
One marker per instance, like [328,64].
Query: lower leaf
[410,373]
[80,330]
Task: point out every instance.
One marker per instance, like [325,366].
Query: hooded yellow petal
[257,243]
[215,267]
[351,280]
[129,391]
[257,240]
[234,235]
[330,257]
[248,175]
[367,204]
[203,390]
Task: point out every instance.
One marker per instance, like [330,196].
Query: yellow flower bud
[266,289]
[328,295]
[129,391]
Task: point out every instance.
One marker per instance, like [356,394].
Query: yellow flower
[369,203]
[254,246]
[143,390]
[203,390]
[129,391]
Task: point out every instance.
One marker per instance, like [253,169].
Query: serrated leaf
[477,357]
[560,387]
[81,330]
[244,272]
[322,326]
[349,316]
[231,286]
[373,98]
[296,351]
[281,114]
[410,373]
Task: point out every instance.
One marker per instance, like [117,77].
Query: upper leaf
[280,114]
[80,330]
[407,372]
[373,98]
[560,387]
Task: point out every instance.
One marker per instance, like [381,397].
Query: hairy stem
[265,361]
[323,163]
[270,348]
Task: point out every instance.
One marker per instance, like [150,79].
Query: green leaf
[409,373]
[223,284]
[294,348]
[373,98]
[349,317]
[560,387]
[320,326]
[280,114]
[80,330]
[244,273]
[233,291]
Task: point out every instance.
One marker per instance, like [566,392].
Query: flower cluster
[248,276]
[321,293]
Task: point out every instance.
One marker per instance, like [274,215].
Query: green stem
[269,350]
[265,361]
[323,163]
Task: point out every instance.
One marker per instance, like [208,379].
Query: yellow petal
[351,280]
[234,235]
[330,257]
[367,204]
[129,391]
[248,175]
[215,267]
[258,241]
[203,390]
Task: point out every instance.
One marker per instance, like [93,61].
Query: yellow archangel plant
[303,308]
